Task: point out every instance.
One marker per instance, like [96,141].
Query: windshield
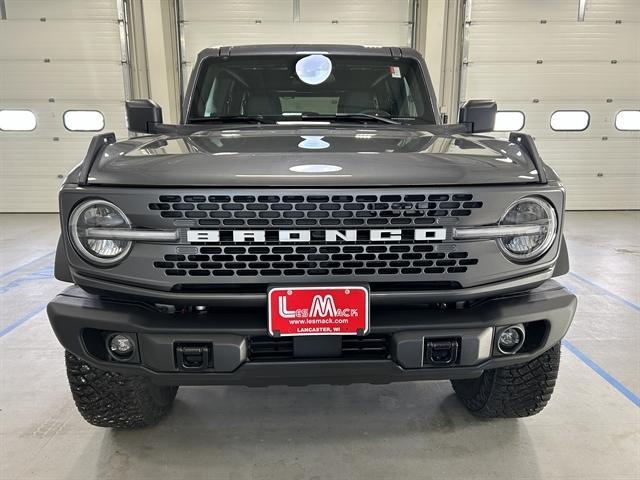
[358,88]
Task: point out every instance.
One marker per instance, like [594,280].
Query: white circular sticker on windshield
[313,69]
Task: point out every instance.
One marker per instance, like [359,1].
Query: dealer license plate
[318,311]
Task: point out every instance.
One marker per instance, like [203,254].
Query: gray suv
[310,220]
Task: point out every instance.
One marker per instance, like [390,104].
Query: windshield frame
[423,81]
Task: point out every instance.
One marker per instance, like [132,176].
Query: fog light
[121,346]
[510,339]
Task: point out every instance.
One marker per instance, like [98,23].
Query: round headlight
[529,211]
[84,224]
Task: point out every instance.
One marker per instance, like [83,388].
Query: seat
[355,102]
[262,105]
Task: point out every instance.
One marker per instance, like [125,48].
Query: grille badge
[328,236]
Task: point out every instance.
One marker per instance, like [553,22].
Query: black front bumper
[76,316]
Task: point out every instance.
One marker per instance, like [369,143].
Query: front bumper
[76,316]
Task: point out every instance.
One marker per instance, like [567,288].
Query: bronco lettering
[353,235]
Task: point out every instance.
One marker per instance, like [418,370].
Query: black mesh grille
[265,348]
[290,260]
[315,210]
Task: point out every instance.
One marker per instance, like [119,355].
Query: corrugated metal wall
[245,22]
[55,56]
[536,57]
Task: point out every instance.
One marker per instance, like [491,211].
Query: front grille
[270,348]
[205,259]
[316,210]
[369,347]
[317,260]
[315,213]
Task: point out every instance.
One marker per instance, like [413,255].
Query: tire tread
[515,391]
[109,399]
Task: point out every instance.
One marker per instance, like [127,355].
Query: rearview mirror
[479,115]
[142,115]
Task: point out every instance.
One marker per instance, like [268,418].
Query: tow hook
[441,352]
[194,357]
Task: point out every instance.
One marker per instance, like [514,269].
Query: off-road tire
[109,399]
[519,390]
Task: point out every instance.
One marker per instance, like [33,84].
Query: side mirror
[142,115]
[479,115]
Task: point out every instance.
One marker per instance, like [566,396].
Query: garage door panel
[555,42]
[602,117]
[61,9]
[585,193]
[591,156]
[552,81]
[250,22]
[80,41]
[354,12]
[62,80]
[44,157]
[504,11]
[591,65]
[60,40]
[612,10]
[236,10]
[50,122]
[29,193]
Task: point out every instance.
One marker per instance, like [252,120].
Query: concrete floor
[590,430]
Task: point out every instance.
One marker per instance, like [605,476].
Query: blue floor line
[608,293]
[12,326]
[31,262]
[43,274]
[603,373]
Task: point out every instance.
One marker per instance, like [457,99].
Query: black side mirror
[142,115]
[479,115]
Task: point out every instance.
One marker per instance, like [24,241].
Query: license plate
[318,311]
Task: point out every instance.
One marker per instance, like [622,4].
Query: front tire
[109,399]
[515,391]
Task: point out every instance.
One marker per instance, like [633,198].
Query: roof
[293,49]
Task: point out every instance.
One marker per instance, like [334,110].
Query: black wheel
[520,390]
[109,399]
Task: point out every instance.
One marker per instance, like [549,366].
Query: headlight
[91,216]
[529,211]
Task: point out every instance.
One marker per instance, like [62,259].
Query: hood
[271,156]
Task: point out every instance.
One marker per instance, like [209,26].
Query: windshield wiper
[350,116]
[230,119]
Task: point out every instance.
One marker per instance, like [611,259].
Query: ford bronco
[310,220]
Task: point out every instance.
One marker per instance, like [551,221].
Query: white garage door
[247,22]
[55,57]
[538,57]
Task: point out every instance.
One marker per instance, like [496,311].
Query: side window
[628,120]
[83,120]
[509,121]
[17,120]
[569,120]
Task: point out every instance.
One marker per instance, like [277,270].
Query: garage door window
[570,120]
[628,120]
[83,120]
[509,121]
[17,120]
